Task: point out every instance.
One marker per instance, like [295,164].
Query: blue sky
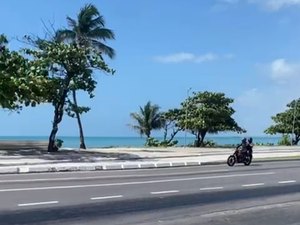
[248,49]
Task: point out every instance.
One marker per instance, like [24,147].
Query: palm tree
[87,31]
[147,119]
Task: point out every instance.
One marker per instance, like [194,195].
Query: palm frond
[138,129]
[97,22]
[89,11]
[71,23]
[137,117]
[101,34]
[148,118]
[89,30]
[86,15]
[103,48]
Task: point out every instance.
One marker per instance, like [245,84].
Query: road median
[126,165]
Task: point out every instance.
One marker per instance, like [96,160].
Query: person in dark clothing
[245,146]
[250,145]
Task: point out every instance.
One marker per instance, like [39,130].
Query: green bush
[265,144]
[285,140]
[58,143]
[209,143]
[152,142]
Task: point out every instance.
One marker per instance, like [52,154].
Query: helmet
[244,140]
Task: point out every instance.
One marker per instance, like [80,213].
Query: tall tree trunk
[148,133]
[51,144]
[200,138]
[202,133]
[173,135]
[165,132]
[81,136]
[296,140]
[58,115]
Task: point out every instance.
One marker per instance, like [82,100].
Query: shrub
[285,140]
[209,143]
[58,143]
[152,142]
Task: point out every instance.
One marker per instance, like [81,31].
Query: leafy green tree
[147,119]
[170,121]
[88,30]
[22,81]
[68,66]
[287,122]
[207,112]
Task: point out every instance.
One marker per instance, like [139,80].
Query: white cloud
[176,58]
[190,57]
[283,71]
[275,5]
[207,57]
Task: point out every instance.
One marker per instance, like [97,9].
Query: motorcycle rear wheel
[231,160]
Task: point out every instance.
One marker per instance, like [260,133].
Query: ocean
[93,142]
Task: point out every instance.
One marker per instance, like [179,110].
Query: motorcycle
[240,157]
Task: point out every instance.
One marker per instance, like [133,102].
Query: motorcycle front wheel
[231,160]
[248,160]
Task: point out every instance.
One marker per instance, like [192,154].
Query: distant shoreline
[111,142]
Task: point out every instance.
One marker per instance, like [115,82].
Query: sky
[248,49]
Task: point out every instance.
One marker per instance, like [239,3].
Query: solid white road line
[134,182]
[286,181]
[133,172]
[211,188]
[253,185]
[163,192]
[107,197]
[105,177]
[37,203]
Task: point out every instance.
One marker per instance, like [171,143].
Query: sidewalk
[38,160]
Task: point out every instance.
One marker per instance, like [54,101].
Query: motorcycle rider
[246,146]
[250,145]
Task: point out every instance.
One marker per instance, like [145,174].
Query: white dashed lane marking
[107,197]
[38,203]
[164,192]
[253,185]
[211,188]
[286,181]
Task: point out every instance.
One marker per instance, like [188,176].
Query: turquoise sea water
[73,142]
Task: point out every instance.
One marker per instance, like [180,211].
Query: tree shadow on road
[38,150]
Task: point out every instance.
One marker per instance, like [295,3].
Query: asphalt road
[263,193]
